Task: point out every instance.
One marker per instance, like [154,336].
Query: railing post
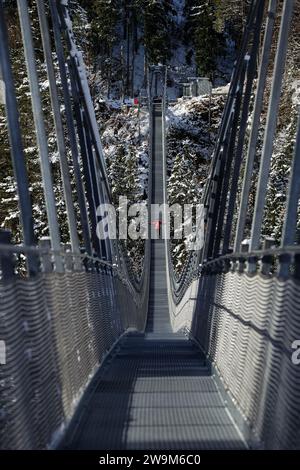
[266,264]
[241,265]
[45,256]
[266,261]
[69,261]
[252,265]
[245,245]
[6,258]
[284,265]
[228,265]
[269,243]
[244,248]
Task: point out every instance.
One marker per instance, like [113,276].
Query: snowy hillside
[192,131]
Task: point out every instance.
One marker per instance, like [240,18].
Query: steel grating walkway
[155,390]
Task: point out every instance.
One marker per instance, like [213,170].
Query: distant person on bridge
[157,226]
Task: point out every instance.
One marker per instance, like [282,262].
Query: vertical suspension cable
[16,144]
[212,188]
[238,156]
[225,171]
[93,175]
[71,128]
[101,187]
[271,124]
[58,128]
[231,95]
[78,63]
[40,131]
[242,214]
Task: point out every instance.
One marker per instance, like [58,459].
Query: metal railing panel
[57,329]
[246,325]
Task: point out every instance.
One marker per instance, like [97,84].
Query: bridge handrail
[94,261]
[178,282]
[277,251]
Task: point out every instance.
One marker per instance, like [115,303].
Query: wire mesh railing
[243,310]
[63,305]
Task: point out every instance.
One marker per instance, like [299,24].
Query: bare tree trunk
[134,48]
[123,73]
[109,73]
[127,50]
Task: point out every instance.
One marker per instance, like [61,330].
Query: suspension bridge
[97,358]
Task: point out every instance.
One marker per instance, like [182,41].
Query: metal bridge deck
[155,390]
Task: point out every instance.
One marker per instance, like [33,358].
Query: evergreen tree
[201,26]
[123,173]
[102,16]
[232,15]
[156,31]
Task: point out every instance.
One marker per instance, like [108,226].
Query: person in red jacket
[157,226]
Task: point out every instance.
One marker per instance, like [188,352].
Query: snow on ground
[128,128]
[194,122]
[124,134]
